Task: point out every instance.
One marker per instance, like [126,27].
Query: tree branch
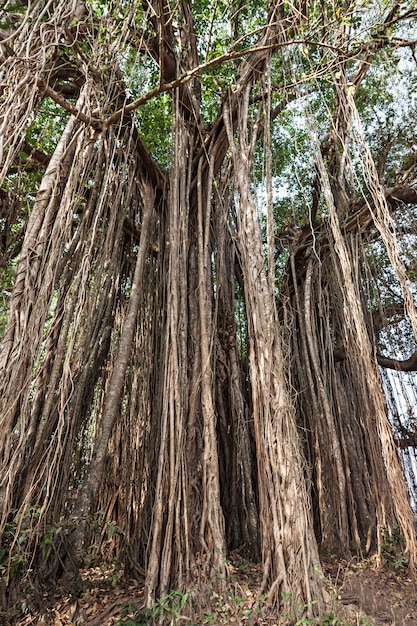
[59,99]
[35,154]
[185,77]
[395,196]
[408,365]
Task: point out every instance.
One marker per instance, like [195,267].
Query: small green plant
[238,600]
[113,573]
[242,566]
[139,617]
[129,608]
[166,610]
[330,619]
[304,621]
[400,561]
[16,552]
[392,547]
[295,613]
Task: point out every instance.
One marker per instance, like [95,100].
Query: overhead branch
[406,440]
[407,365]
[57,97]
[35,155]
[360,216]
[359,220]
[146,161]
[187,76]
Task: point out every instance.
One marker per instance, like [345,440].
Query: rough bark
[285,519]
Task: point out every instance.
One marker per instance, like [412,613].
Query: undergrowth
[177,607]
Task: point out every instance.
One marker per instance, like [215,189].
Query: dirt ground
[362,595]
[386,597]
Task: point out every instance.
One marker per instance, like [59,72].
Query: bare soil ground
[361,593]
[385,596]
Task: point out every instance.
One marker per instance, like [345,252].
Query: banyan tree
[208,228]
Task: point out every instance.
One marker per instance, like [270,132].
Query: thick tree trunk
[285,516]
[365,457]
[187,533]
[143,369]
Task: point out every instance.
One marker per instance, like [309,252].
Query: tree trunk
[285,519]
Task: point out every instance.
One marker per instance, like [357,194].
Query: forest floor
[361,593]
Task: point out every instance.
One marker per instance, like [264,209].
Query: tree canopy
[207,264]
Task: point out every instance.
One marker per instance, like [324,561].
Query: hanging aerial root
[361,356]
